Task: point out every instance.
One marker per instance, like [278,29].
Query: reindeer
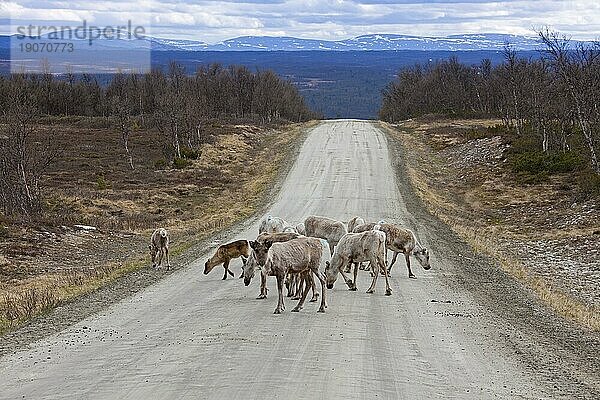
[296,283]
[401,240]
[271,224]
[302,255]
[404,241]
[301,229]
[258,255]
[355,248]
[325,228]
[159,247]
[225,253]
[354,222]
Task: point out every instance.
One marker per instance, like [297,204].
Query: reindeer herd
[319,247]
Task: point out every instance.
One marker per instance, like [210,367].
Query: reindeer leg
[370,269]
[153,256]
[226,268]
[304,294]
[160,257]
[296,293]
[263,286]
[299,287]
[407,258]
[388,290]
[346,279]
[321,278]
[168,261]
[244,259]
[389,269]
[302,283]
[288,285]
[348,268]
[375,267]
[353,288]
[315,294]
[280,306]
[292,290]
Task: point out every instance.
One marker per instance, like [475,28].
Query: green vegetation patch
[589,184]
[190,154]
[538,162]
[181,163]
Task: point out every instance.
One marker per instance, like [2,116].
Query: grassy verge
[562,303]
[231,181]
[448,195]
[40,296]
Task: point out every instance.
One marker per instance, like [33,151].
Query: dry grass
[454,204]
[563,304]
[39,296]
[226,185]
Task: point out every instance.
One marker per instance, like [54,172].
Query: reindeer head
[422,255]
[261,249]
[212,262]
[249,268]
[332,269]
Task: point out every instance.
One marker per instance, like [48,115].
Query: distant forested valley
[335,84]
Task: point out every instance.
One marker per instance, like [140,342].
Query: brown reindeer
[225,253]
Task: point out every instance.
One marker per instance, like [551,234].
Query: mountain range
[374,42]
[380,42]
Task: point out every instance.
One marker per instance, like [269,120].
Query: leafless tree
[548,100]
[23,159]
[580,70]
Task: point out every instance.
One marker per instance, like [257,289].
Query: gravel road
[439,336]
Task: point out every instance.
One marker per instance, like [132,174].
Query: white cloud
[213,21]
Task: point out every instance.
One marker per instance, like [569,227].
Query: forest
[176,104]
[338,84]
[550,104]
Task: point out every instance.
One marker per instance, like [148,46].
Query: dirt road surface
[443,335]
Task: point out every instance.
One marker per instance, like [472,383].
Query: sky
[213,21]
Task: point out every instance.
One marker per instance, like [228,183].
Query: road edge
[555,349]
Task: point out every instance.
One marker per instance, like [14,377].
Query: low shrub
[181,163]
[160,164]
[102,183]
[474,134]
[498,130]
[190,154]
[522,144]
[589,184]
[537,162]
